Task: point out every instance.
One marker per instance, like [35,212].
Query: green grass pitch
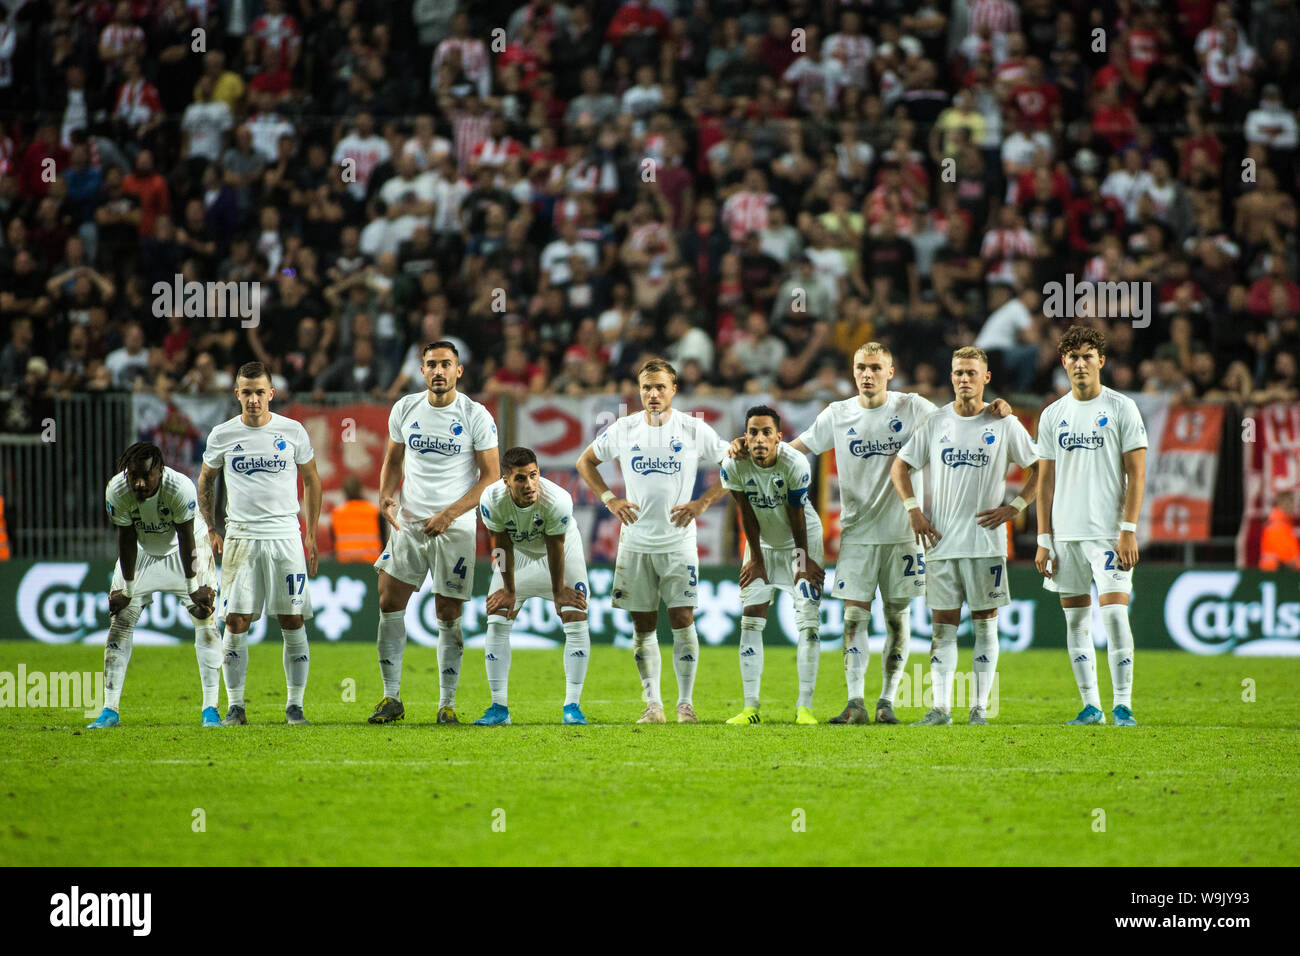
[1207,779]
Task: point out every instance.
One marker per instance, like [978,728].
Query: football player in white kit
[262,455]
[783,550]
[877,546]
[156,513]
[1093,447]
[658,451]
[969,452]
[536,552]
[444,445]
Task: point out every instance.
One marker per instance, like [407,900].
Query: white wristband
[1128,526]
[130,588]
[191,585]
[1020,504]
[1045,541]
[910,503]
[608,496]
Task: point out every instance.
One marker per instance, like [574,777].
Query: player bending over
[453,459]
[261,455]
[770,486]
[154,509]
[1093,447]
[969,452]
[536,552]
[658,451]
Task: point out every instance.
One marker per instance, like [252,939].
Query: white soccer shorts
[641,579]
[449,557]
[1079,563]
[899,570]
[533,575]
[164,575]
[781,566]
[980,582]
[268,574]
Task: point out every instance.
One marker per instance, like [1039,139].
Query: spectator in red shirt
[150,188]
[1037,100]
[516,376]
[42,158]
[1259,301]
[1113,121]
[637,29]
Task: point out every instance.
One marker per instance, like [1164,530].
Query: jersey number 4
[460,568]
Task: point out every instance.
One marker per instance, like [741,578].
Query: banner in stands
[1181,474]
[1271,465]
[1216,611]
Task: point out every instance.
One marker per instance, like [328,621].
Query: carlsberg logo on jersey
[655,465]
[1069,440]
[957,457]
[432,443]
[253,464]
[873,448]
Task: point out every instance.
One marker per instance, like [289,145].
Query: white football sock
[496,657]
[898,642]
[751,658]
[645,650]
[234,666]
[984,659]
[857,656]
[1119,640]
[207,650]
[943,664]
[392,645]
[297,661]
[686,658]
[577,655]
[1083,660]
[808,654]
[451,648]
[117,654]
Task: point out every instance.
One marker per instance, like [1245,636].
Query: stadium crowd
[752,189]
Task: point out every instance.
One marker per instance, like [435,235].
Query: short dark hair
[143,455]
[450,346]
[764,410]
[1077,337]
[253,370]
[517,457]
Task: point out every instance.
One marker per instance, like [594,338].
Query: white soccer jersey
[968,459]
[551,514]
[155,519]
[865,442]
[260,468]
[770,490]
[440,465]
[658,464]
[1087,441]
